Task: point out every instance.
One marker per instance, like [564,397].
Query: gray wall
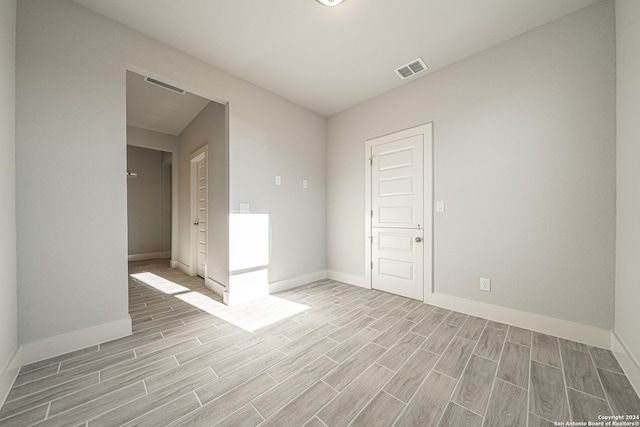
[207,129]
[71,157]
[628,173]
[8,281]
[147,209]
[524,153]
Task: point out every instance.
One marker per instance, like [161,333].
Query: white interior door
[199,207]
[397,225]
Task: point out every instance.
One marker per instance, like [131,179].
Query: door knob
[196,221]
[418,239]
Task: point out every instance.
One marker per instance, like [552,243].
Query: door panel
[201,182]
[397,183]
[397,225]
[397,262]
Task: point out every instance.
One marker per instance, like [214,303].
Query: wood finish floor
[353,357]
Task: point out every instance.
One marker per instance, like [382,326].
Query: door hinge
[371,213]
[371,161]
[372,265]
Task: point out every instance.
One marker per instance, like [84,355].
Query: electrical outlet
[305,183]
[440,206]
[278,180]
[245,207]
[485,284]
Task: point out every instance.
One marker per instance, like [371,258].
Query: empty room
[319,213]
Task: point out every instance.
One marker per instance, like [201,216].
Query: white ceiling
[152,107]
[330,58]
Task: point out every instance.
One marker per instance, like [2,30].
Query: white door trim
[196,156]
[427,131]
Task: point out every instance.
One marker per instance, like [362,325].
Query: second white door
[397,224]
[199,206]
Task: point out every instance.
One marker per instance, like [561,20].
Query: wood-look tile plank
[605,359]
[573,345]
[351,329]
[31,401]
[271,401]
[228,382]
[397,355]
[474,387]
[354,314]
[296,362]
[545,350]
[37,374]
[547,397]
[428,324]
[135,408]
[440,339]
[352,345]
[388,320]
[381,411]
[26,418]
[407,380]
[455,416]
[351,400]
[168,413]
[429,403]
[620,393]
[514,364]
[455,357]
[585,407]
[314,422]
[455,318]
[227,403]
[308,339]
[351,368]
[419,313]
[246,416]
[389,337]
[490,343]
[303,407]
[56,360]
[93,408]
[535,421]
[580,373]
[472,328]
[508,406]
[519,336]
[497,325]
[223,366]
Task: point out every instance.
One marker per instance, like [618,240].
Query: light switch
[278,180]
[440,206]
[305,183]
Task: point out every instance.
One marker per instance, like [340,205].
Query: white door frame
[196,156]
[427,130]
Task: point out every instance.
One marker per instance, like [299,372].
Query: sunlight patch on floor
[250,316]
[159,283]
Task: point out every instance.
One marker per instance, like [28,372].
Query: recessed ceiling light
[330,2]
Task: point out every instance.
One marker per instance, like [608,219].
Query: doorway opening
[163,116]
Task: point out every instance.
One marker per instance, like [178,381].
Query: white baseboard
[9,373]
[294,282]
[348,279]
[216,287]
[36,351]
[150,255]
[591,335]
[629,363]
[184,268]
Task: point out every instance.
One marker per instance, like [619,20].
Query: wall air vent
[413,67]
[164,85]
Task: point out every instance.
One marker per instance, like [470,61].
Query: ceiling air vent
[414,67]
[164,85]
